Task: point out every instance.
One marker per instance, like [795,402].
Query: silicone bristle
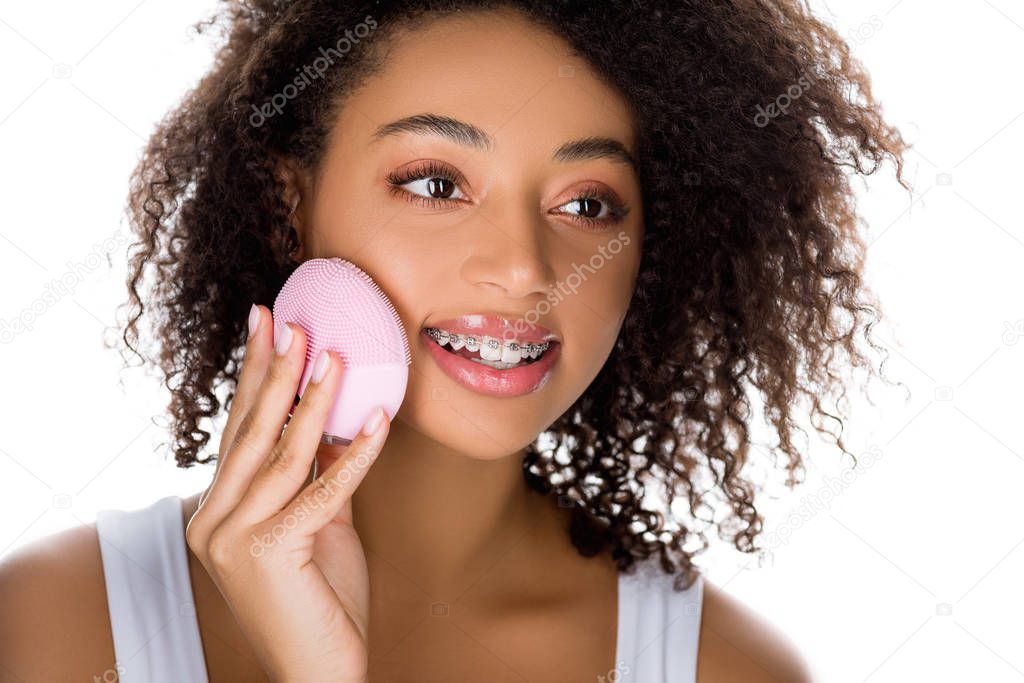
[342,308]
[391,309]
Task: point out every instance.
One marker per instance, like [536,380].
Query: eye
[435,184]
[429,184]
[596,207]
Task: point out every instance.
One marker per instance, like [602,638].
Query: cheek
[594,311]
[351,215]
[358,221]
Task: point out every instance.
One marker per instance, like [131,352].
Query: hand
[291,567]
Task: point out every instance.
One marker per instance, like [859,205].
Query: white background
[911,571]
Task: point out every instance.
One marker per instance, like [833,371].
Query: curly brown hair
[750,116]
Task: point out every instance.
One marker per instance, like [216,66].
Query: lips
[517,381]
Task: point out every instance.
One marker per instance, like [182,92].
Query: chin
[484,429]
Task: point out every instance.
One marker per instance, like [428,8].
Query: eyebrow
[468,135]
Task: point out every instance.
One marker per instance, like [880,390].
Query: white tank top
[156,635]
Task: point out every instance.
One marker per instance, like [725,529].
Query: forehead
[497,70]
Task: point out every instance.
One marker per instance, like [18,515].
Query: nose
[509,256]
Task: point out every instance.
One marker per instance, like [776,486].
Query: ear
[297,196]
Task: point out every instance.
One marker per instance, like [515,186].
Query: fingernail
[323,362]
[254,319]
[283,339]
[374,422]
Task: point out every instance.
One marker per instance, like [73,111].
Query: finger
[261,427]
[283,472]
[321,501]
[259,348]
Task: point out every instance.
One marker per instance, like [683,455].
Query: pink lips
[487,380]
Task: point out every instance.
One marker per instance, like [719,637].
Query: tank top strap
[149,595]
[659,628]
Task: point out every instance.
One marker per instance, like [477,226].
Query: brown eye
[428,183]
[440,188]
[589,208]
[594,207]
[433,188]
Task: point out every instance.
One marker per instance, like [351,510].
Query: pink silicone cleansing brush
[341,308]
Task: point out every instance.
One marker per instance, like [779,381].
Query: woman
[658,187]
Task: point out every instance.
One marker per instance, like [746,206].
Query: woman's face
[473,209]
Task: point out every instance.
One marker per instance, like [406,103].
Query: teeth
[510,353]
[492,351]
[497,365]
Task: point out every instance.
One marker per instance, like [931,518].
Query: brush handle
[361,390]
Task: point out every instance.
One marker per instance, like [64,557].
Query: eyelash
[432,169]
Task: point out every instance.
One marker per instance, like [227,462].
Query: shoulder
[738,644]
[54,623]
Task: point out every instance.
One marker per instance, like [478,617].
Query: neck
[441,517]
